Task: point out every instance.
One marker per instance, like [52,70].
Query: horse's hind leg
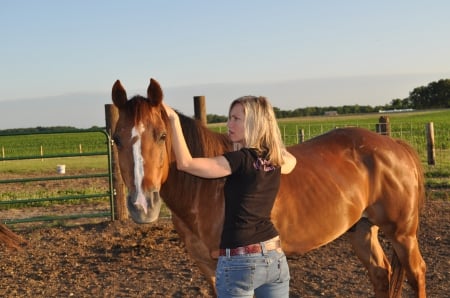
[364,239]
[407,249]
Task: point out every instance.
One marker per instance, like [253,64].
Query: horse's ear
[154,93]
[119,95]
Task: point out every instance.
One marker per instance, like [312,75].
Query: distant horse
[345,180]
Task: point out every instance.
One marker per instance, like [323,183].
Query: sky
[59,59]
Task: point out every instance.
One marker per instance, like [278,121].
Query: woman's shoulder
[241,157]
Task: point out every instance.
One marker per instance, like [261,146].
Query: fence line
[415,135]
[33,201]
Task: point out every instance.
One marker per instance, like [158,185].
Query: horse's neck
[193,135]
[183,191]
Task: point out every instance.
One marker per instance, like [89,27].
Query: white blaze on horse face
[136,133]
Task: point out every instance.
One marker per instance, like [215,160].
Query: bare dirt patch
[123,259]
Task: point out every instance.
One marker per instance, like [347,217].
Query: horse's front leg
[199,252]
[364,239]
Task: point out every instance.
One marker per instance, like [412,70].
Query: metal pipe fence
[8,199]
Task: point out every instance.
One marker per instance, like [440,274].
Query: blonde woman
[251,262]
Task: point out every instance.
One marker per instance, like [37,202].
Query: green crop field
[37,145]
[39,148]
[403,125]
[409,126]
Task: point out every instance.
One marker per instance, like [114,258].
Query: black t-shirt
[250,193]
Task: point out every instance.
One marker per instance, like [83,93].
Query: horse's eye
[163,136]
[116,141]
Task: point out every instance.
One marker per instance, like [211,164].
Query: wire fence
[413,133]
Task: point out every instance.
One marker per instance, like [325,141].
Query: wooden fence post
[383,126]
[301,136]
[431,153]
[200,109]
[120,202]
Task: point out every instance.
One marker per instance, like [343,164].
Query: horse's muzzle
[144,214]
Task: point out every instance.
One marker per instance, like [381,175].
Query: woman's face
[235,124]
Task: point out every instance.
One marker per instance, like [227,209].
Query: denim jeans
[261,274]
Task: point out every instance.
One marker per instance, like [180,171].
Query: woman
[251,261]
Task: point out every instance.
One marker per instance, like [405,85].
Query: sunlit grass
[48,166]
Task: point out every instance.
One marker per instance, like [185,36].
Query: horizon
[70,110]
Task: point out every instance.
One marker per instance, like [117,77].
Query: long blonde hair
[261,128]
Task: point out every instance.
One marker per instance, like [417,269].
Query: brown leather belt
[271,244]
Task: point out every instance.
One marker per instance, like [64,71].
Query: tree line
[50,129]
[436,95]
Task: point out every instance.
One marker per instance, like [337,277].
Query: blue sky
[59,48]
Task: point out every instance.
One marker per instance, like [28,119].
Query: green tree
[213,118]
[397,103]
[435,95]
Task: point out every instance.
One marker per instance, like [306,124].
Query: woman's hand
[289,162]
[212,167]
[170,112]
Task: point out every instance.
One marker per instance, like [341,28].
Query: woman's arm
[206,167]
[289,162]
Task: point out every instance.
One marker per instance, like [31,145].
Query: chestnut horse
[348,179]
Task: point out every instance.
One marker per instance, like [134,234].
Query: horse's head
[141,136]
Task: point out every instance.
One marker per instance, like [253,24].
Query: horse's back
[341,176]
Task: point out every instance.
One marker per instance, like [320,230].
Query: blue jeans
[260,274]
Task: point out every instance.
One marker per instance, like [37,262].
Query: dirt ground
[123,259]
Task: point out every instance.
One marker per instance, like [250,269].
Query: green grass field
[37,145]
[408,126]
[403,125]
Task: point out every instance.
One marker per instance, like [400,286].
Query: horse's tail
[11,239]
[397,277]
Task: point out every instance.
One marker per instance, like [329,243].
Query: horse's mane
[201,140]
